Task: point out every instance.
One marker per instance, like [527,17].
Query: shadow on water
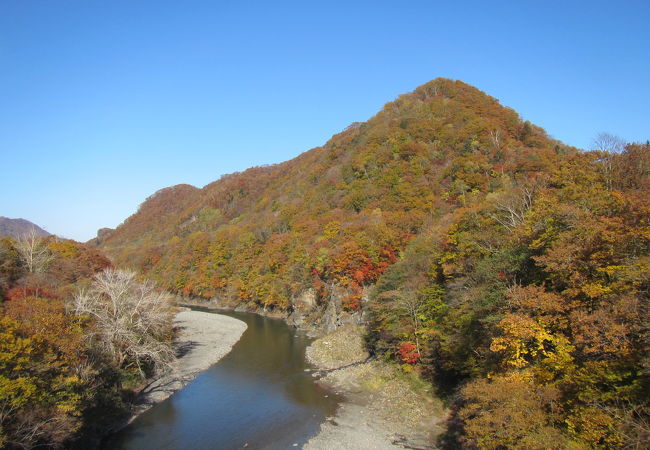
[257,396]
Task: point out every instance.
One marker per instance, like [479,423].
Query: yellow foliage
[524,341]
[594,426]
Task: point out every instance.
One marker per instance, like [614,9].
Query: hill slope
[496,262]
[339,213]
[18,227]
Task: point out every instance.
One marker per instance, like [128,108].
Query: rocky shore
[304,313]
[385,407]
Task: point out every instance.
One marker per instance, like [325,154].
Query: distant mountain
[18,227]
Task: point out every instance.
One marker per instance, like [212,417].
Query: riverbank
[260,395]
[385,407]
[204,338]
[305,314]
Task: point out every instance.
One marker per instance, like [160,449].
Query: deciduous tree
[34,252]
[132,319]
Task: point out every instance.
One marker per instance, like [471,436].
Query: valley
[471,282]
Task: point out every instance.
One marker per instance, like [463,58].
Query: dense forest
[341,213]
[70,364]
[505,267]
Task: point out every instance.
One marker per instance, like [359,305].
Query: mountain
[18,227]
[340,213]
[504,267]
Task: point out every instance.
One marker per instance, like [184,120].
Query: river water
[257,396]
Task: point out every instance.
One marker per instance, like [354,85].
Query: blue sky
[104,102]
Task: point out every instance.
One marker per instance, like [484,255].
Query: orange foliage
[21,292]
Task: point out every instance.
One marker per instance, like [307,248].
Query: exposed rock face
[17,227]
[102,235]
[307,299]
[302,305]
[331,319]
[325,317]
[335,316]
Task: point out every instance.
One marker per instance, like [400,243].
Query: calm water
[258,396]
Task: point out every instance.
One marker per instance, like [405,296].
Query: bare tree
[495,137]
[610,144]
[133,320]
[34,252]
[512,206]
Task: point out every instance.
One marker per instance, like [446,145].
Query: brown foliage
[511,412]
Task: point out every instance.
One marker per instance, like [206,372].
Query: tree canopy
[487,255]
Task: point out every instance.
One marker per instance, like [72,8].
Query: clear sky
[104,102]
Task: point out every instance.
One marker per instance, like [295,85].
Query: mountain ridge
[18,227]
[422,131]
[504,267]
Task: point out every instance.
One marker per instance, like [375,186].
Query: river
[258,396]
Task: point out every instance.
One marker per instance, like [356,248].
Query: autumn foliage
[343,212]
[542,309]
[57,386]
[495,261]
[408,352]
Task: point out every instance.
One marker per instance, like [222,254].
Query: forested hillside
[340,213]
[497,262]
[75,343]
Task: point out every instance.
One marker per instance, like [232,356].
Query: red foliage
[352,302]
[21,292]
[359,275]
[408,353]
[356,265]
